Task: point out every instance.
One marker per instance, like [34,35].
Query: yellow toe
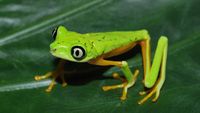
[142,93]
[123,98]
[64,84]
[37,77]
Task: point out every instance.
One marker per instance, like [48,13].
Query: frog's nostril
[53,50]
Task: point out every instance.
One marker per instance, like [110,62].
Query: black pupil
[77,52]
[54,33]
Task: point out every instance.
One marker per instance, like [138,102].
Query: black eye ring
[54,33]
[78,52]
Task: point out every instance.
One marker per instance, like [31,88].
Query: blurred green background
[25,35]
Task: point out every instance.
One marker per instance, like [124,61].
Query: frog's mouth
[58,54]
[63,56]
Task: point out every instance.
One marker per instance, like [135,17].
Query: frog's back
[108,41]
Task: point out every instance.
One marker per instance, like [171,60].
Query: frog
[97,47]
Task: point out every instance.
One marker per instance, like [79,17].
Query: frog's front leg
[130,78]
[151,72]
[58,72]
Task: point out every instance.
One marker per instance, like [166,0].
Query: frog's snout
[53,50]
[53,47]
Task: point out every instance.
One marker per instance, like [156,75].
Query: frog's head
[70,46]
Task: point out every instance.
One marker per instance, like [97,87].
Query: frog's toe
[54,76]
[51,85]
[149,94]
[49,89]
[142,93]
[37,77]
[41,77]
[125,84]
[64,84]
[115,76]
[118,77]
[107,88]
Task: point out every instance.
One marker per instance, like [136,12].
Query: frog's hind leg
[151,78]
[59,72]
[130,78]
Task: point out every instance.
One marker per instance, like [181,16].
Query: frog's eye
[54,33]
[78,52]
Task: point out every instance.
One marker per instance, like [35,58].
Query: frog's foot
[125,85]
[54,75]
[41,77]
[149,93]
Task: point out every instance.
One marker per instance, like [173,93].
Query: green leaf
[25,35]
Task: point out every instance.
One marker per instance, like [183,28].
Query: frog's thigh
[100,60]
[120,50]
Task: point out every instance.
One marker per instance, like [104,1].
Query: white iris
[78,53]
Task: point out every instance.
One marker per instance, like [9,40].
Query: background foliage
[25,35]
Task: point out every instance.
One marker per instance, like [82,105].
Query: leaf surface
[25,35]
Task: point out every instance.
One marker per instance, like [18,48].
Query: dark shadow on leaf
[83,73]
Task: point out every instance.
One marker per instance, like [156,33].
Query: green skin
[97,44]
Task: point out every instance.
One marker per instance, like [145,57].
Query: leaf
[25,35]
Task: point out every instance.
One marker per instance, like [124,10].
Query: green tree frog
[95,48]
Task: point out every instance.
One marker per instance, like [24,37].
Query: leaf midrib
[40,27]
